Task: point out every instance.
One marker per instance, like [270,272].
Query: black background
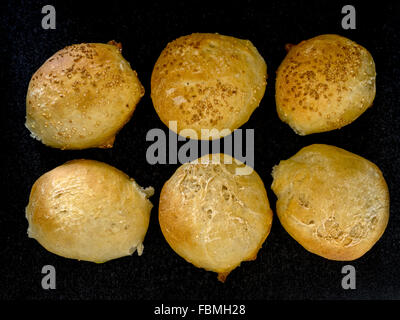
[283,269]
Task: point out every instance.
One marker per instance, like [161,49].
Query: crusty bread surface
[213,217]
[208,81]
[82,96]
[331,201]
[324,83]
[88,210]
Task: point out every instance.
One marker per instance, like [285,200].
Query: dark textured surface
[283,269]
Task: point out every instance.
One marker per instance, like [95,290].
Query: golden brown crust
[324,83]
[212,217]
[88,210]
[208,81]
[82,96]
[333,202]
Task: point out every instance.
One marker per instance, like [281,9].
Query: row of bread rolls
[331,201]
[85,93]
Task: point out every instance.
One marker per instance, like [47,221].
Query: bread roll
[331,201]
[88,210]
[324,83]
[208,81]
[82,96]
[213,217]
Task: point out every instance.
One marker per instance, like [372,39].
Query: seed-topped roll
[82,96]
[208,81]
[324,83]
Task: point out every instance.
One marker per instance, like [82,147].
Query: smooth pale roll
[82,96]
[88,210]
[208,81]
[331,201]
[324,83]
[214,217]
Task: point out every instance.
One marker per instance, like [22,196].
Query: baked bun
[331,201]
[214,217]
[324,83]
[82,96]
[208,81]
[88,210]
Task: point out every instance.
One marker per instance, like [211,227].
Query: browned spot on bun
[288,46]
[208,81]
[324,83]
[222,276]
[117,44]
[77,99]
